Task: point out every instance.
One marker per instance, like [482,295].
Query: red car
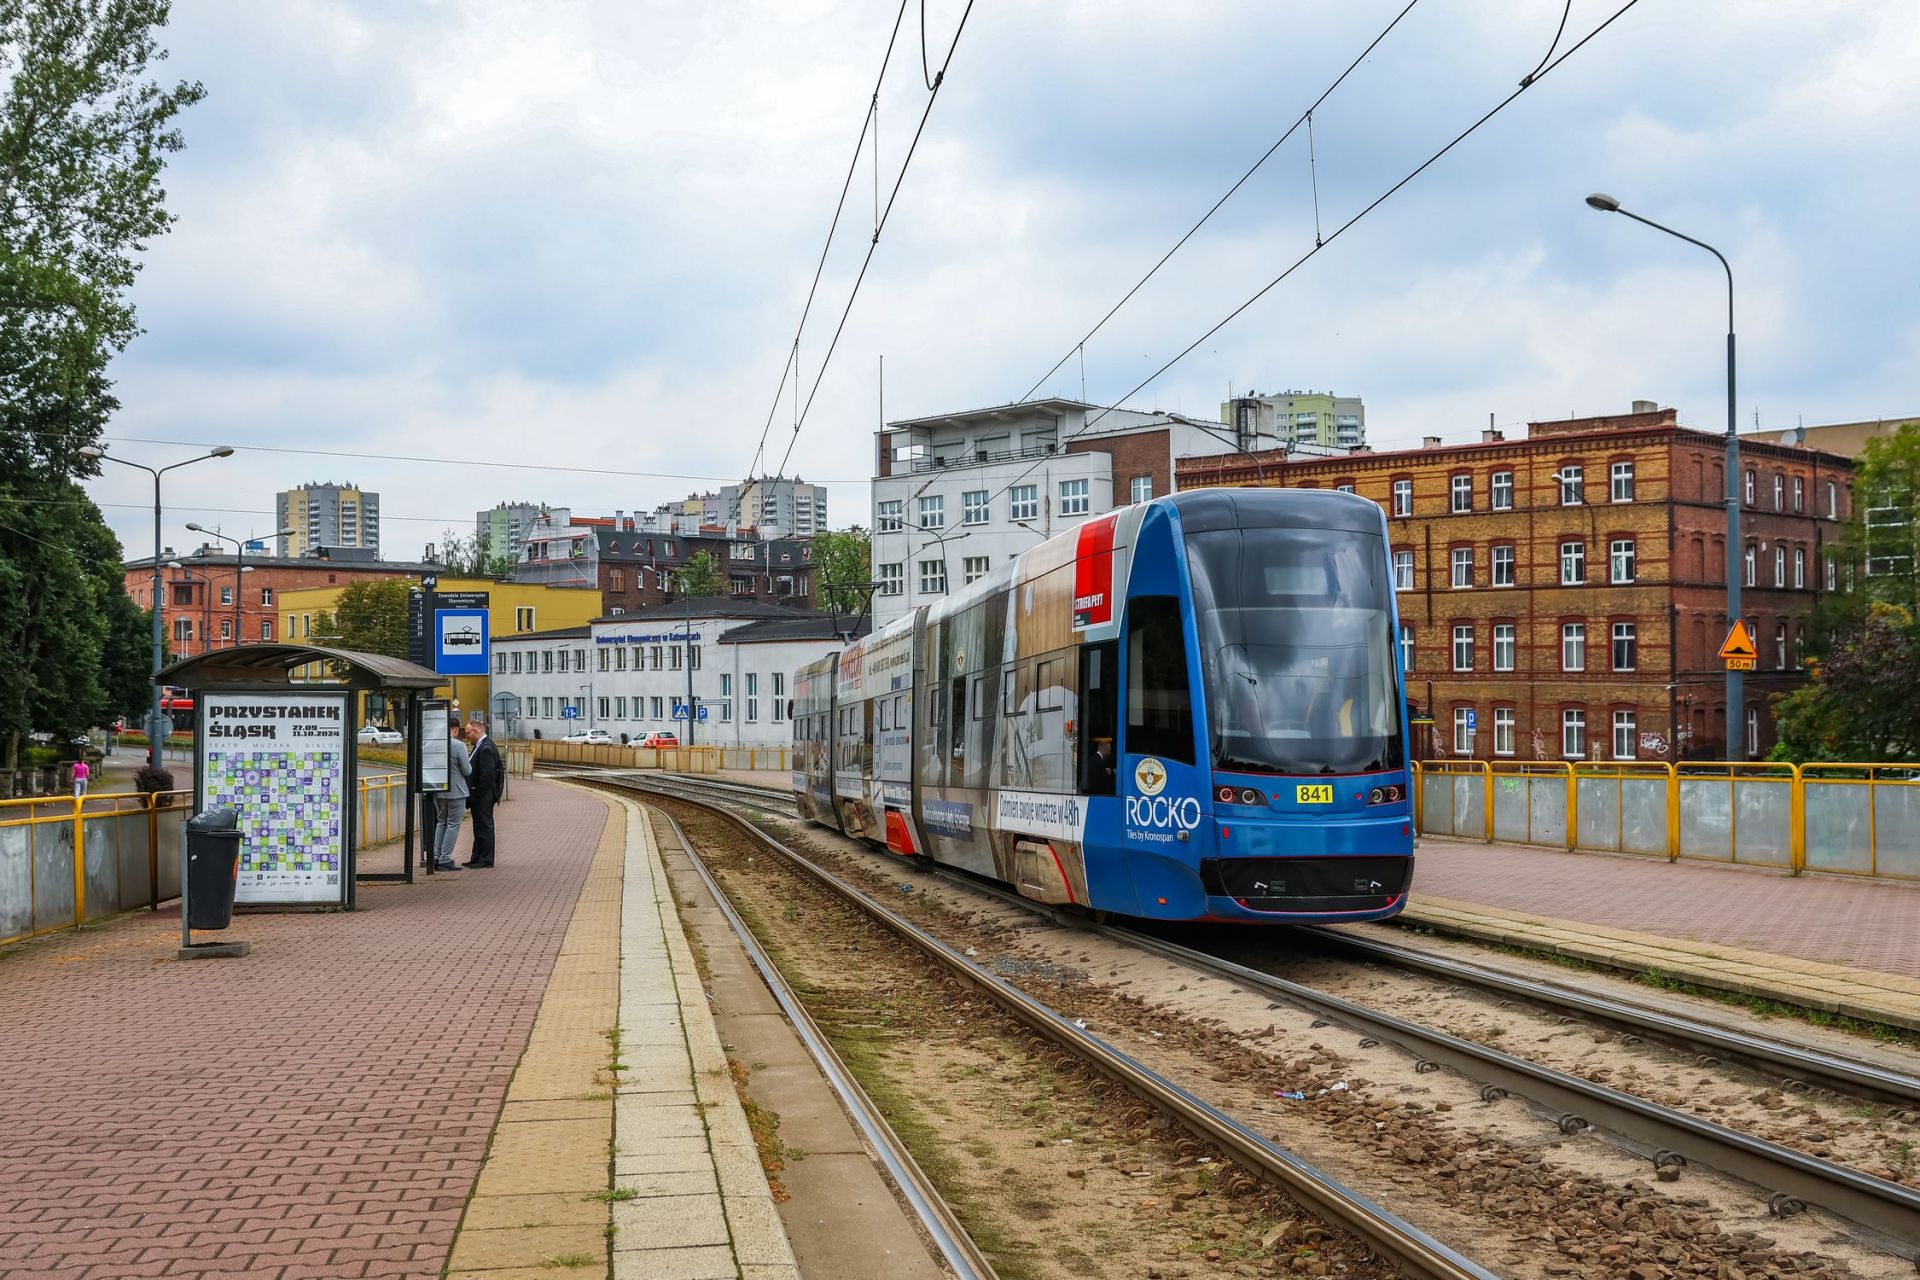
[659,740]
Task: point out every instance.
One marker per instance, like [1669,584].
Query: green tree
[1863,700]
[371,617]
[698,577]
[84,136]
[842,565]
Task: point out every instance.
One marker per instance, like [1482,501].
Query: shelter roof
[275,664]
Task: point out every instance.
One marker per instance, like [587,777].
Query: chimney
[1430,442]
[1646,406]
[1490,435]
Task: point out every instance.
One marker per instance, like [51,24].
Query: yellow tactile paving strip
[1857,993]
[534,1211]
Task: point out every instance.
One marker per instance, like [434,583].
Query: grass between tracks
[1659,980]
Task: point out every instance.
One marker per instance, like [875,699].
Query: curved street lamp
[155,716]
[1736,684]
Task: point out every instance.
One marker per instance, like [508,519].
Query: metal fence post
[79,863]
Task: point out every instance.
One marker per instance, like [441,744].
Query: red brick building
[1569,589]
[212,591]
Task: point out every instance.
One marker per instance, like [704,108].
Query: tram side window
[1159,701]
[1100,716]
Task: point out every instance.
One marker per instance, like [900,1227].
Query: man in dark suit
[483,789]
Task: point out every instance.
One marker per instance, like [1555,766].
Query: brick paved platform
[319,1108]
[1838,943]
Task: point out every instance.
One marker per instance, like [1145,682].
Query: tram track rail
[1790,1180]
[1415,1252]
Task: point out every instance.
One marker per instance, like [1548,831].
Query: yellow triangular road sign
[1739,643]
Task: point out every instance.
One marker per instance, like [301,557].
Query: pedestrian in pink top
[80,775]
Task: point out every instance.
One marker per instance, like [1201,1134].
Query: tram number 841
[1313,793]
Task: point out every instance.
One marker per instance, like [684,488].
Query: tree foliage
[843,564]
[1863,700]
[699,576]
[472,557]
[371,617]
[84,135]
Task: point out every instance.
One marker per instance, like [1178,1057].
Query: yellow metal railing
[1844,819]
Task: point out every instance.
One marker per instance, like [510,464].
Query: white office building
[956,494]
[632,675]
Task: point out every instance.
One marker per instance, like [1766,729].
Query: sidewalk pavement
[1836,943]
[319,1108]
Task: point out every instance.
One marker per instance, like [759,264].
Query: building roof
[227,560]
[556,633]
[807,626]
[708,607]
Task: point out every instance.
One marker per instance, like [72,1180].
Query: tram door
[1099,705]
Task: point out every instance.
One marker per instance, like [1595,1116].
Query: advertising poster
[280,761]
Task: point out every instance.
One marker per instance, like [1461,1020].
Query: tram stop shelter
[275,739]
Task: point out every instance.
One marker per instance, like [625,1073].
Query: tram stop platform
[431,1085]
[1843,944]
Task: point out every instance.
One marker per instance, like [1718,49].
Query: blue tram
[1188,709]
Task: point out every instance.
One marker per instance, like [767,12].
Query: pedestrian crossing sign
[1738,651]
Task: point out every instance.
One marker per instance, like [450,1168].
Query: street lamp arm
[1681,235]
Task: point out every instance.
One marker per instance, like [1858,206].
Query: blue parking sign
[460,645]
[1473,720]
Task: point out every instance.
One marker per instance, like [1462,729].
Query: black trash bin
[213,867]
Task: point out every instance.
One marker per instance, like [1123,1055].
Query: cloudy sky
[575,237]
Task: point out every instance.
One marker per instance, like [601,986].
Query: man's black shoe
[484,866]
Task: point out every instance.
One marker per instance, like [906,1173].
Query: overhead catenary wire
[1337,232]
[872,246]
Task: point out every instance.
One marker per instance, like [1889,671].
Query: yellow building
[512,608]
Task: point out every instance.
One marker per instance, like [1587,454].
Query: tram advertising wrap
[1188,709]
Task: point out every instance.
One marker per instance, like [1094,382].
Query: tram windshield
[1296,650]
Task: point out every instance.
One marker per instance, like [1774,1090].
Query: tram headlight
[1391,793]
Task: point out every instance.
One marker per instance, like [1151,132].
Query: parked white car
[592,737]
[373,735]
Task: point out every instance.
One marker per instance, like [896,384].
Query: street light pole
[1736,551]
[155,737]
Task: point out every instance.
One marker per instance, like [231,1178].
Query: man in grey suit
[451,803]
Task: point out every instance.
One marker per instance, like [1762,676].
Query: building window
[1833,501]
[1779,566]
[1573,485]
[1626,738]
[1573,734]
[1799,567]
[1753,733]
[1462,735]
[546,708]
[1573,646]
[1620,560]
[523,618]
[1406,647]
[266,597]
[1462,567]
[1503,566]
[887,520]
[1626,646]
[1403,571]
[266,628]
[546,662]
[1573,563]
[1462,493]
[606,659]
[603,708]
[974,568]
[659,708]
[1751,480]
[753,697]
[933,511]
[1345,486]
[619,708]
[620,659]
[1463,647]
[779,696]
[1780,645]
[1503,491]
[1799,494]
[933,577]
[1750,576]
[1620,482]
[659,659]
[1832,573]
[1023,502]
[1073,498]
[516,662]
[673,657]
[1503,731]
[973,507]
[1403,497]
[226,628]
[693,657]
[893,579]
[1503,646]
[226,596]
[1140,489]
[1779,492]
